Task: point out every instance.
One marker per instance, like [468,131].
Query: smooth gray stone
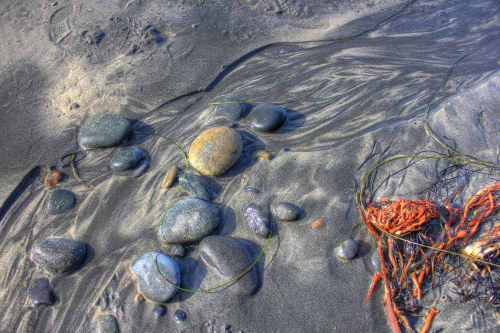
[189,221]
[107,324]
[126,158]
[193,185]
[152,284]
[41,293]
[258,220]
[60,201]
[58,255]
[267,118]
[105,130]
[229,258]
[348,249]
[233,111]
[283,212]
[159,311]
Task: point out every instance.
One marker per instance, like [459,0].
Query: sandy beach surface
[383,67]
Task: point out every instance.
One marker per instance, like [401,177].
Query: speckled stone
[215,150]
[126,158]
[58,255]
[283,211]
[105,130]
[151,284]
[348,249]
[193,185]
[107,324]
[41,293]
[229,257]
[189,221]
[60,201]
[233,111]
[267,118]
[258,220]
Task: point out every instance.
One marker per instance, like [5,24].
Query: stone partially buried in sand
[283,211]
[258,220]
[229,258]
[58,255]
[126,158]
[194,185]
[60,201]
[189,221]
[107,324]
[267,118]
[233,110]
[41,293]
[215,150]
[151,284]
[105,130]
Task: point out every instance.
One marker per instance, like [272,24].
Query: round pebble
[41,293]
[229,258]
[233,111]
[152,284]
[60,201]
[171,177]
[375,260]
[126,158]
[180,316]
[105,130]
[58,255]
[258,220]
[189,221]
[193,185]
[348,249]
[215,150]
[283,211]
[159,311]
[107,324]
[267,118]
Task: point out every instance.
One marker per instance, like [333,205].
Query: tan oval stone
[215,150]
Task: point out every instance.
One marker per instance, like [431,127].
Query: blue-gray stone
[107,324]
[152,284]
[41,293]
[159,311]
[233,111]
[58,255]
[193,185]
[180,316]
[126,158]
[348,249]
[189,221]
[258,220]
[267,118]
[105,130]
[283,211]
[60,201]
[229,258]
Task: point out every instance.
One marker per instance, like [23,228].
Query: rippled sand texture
[385,63]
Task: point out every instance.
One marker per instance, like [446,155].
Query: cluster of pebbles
[190,221]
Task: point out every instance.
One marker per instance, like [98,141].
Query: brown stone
[215,150]
[171,177]
[263,154]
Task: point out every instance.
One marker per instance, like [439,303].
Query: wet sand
[386,64]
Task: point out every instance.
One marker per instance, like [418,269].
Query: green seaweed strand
[161,221]
[75,171]
[275,103]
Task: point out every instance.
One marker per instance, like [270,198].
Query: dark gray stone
[180,316]
[258,220]
[126,158]
[58,255]
[233,111]
[107,324]
[267,118]
[189,221]
[159,311]
[105,130]
[60,201]
[348,249]
[283,211]
[41,293]
[152,284]
[193,185]
[229,258]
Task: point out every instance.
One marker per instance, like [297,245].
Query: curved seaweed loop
[161,221]
[275,103]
